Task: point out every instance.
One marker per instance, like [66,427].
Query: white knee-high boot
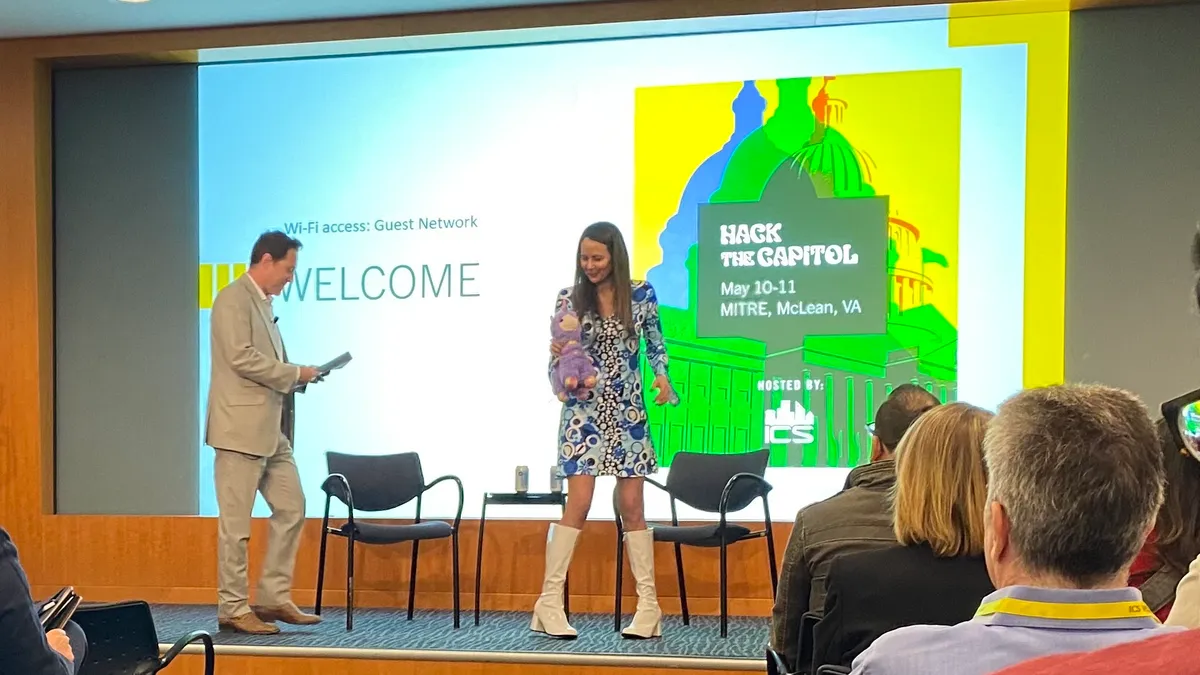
[647,622]
[548,614]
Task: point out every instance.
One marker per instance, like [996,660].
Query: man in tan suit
[250,423]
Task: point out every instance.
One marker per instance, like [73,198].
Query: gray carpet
[496,632]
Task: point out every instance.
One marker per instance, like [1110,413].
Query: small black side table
[515,499]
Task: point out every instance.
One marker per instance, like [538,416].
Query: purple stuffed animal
[574,371]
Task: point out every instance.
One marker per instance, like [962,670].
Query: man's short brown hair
[275,244]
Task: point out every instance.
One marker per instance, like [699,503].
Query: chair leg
[350,581]
[321,571]
[774,565]
[412,581]
[724,589]
[479,557]
[682,585]
[620,578]
[454,556]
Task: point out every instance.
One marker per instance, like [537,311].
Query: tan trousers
[238,478]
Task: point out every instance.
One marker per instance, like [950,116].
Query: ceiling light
[133,2]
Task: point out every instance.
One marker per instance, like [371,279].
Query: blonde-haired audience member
[937,575]
[1075,479]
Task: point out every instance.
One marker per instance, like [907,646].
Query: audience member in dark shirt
[855,519]
[25,649]
[937,576]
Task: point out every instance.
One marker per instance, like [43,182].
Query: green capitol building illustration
[803,386]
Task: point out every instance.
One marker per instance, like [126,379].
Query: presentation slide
[825,212]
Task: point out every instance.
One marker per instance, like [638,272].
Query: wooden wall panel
[174,560]
[24,300]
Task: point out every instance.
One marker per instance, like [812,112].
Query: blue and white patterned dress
[605,433]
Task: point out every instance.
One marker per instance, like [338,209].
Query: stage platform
[384,641]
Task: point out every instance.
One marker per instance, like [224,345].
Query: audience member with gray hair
[1075,480]
[1166,655]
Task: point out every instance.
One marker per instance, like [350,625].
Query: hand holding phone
[60,643]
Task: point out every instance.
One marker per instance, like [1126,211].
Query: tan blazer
[252,383]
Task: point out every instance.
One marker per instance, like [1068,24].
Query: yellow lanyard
[1132,609]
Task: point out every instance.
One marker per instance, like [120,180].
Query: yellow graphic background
[214,277]
[1044,26]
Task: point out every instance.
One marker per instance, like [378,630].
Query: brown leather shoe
[288,613]
[248,623]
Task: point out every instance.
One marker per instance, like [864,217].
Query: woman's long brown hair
[1178,525]
[584,296]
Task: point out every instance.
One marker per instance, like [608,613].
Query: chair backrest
[121,638]
[805,653]
[378,482]
[698,479]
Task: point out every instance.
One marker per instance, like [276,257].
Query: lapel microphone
[275,320]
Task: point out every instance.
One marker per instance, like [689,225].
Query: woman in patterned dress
[603,432]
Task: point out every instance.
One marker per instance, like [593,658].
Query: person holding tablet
[250,423]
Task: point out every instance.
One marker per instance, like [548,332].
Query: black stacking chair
[721,484]
[122,640]
[377,483]
[775,663]
[808,642]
